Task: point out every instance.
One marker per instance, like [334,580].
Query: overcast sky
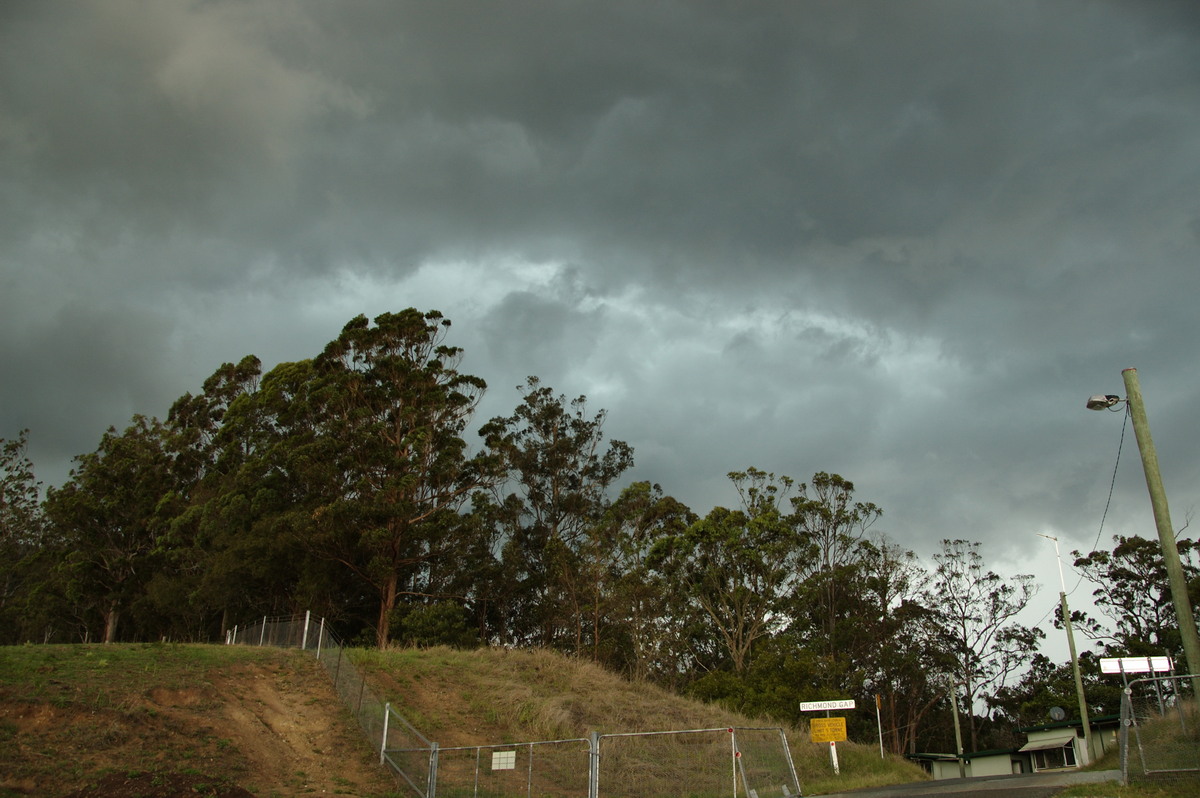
[902,242]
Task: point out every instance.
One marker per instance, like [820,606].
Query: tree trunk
[110,623]
[387,603]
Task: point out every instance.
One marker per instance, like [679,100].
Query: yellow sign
[827,730]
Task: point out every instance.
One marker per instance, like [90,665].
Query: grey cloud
[73,375]
[898,241]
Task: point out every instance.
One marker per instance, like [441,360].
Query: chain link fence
[766,764]
[749,762]
[728,761]
[401,747]
[1160,727]
[560,768]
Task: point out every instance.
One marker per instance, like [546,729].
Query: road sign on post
[821,706]
[827,730]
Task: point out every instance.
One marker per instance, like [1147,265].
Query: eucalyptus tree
[252,454]
[110,515]
[196,423]
[1048,684]
[21,531]
[392,407]
[204,457]
[737,567]
[975,611]
[275,468]
[639,605]
[832,524]
[1133,597]
[559,474]
[895,640]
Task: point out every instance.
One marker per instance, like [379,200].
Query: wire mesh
[408,753]
[694,763]
[765,763]
[551,767]
[1160,727]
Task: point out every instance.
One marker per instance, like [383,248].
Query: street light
[1162,515]
[1066,614]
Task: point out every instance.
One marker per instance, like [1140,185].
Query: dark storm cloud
[80,371]
[899,241]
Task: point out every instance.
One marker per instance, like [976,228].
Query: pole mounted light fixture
[1103,401]
[1162,516]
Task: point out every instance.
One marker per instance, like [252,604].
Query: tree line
[345,484]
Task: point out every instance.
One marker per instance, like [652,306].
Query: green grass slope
[93,720]
[202,720]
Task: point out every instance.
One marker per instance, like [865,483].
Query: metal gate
[1160,727]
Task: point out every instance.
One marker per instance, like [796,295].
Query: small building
[1059,745]
[1052,746]
[997,762]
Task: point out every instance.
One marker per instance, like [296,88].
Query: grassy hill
[166,720]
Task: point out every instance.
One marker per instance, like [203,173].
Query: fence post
[387,711]
[1126,721]
[529,774]
[304,637]
[263,634]
[787,753]
[594,765]
[733,763]
[431,790]
[320,636]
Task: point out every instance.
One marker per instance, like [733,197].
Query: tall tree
[893,637]
[391,397]
[832,525]
[21,529]
[1133,595]
[110,514]
[196,422]
[1047,684]
[737,566]
[277,470]
[192,585]
[975,611]
[640,603]
[560,473]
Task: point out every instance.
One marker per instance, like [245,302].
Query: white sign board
[1135,664]
[820,706]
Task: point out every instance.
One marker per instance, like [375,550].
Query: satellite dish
[1057,713]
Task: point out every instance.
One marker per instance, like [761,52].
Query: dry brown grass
[527,695]
[71,716]
[490,696]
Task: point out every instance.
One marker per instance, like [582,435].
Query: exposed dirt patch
[273,728]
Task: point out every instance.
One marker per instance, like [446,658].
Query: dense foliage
[347,485]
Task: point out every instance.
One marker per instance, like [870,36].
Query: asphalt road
[1035,785]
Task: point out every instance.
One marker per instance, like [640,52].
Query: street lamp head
[1102,401]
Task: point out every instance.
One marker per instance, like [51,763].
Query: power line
[1111,486]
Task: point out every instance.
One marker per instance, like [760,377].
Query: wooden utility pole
[1162,520]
